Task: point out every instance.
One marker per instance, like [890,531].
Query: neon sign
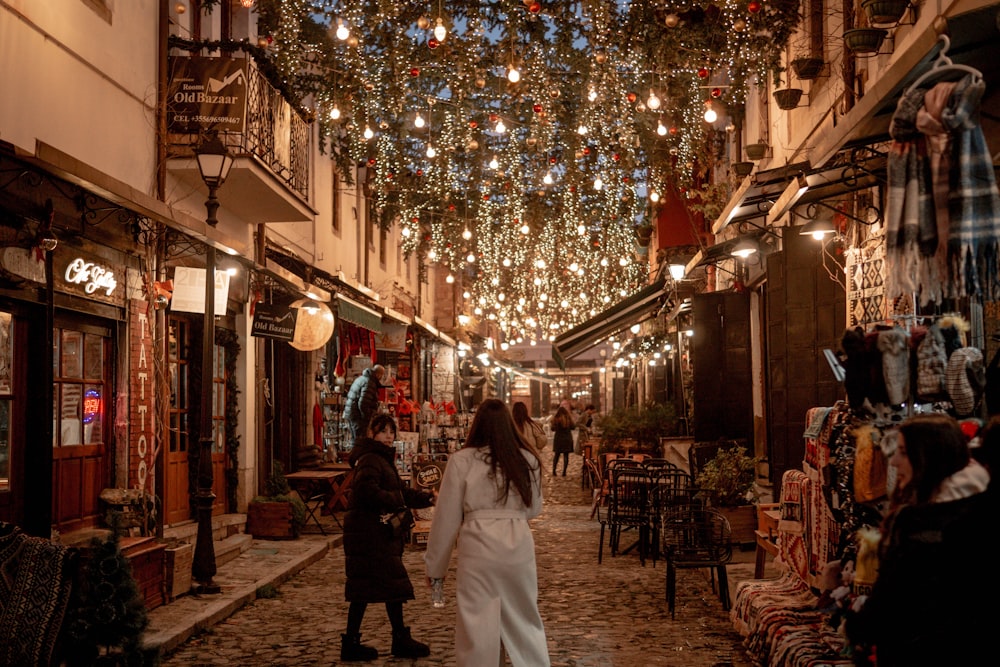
[91,405]
[92,276]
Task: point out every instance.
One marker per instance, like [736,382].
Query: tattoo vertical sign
[141,435]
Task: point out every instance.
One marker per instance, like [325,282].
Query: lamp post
[214,162]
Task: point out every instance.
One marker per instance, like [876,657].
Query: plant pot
[807,68]
[756,151]
[864,41]
[788,98]
[742,169]
[884,12]
[271,520]
[742,521]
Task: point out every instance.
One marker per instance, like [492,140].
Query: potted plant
[864,41]
[278,514]
[727,482]
[637,428]
[756,151]
[788,98]
[884,12]
[807,67]
[742,169]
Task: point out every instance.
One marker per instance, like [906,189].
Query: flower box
[807,67]
[864,41]
[788,98]
[884,12]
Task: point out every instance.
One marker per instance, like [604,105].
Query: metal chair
[628,507]
[597,482]
[653,465]
[671,487]
[696,537]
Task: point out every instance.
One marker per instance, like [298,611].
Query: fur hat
[931,362]
[895,351]
[965,379]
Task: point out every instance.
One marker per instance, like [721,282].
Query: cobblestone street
[613,614]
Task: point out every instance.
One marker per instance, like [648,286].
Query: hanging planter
[788,98]
[756,151]
[742,169]
[864,41]
[884,12]
[807,68]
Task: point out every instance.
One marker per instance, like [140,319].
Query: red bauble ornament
[535,7]
[414,71]
[717,93]
[414,220]
[420,172]
[553,160]
[389,176]
[586,150]
[703,73]
[432,43]
[451,207]
[473,124]
[754,6]
[631,97]
[616,157]
[537,108]
[486,197]
[494,117]
[673,129]
[371,162]
[624,179]
[572,188]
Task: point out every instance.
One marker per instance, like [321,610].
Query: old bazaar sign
[75,272]
[206,94]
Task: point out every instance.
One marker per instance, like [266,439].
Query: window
[335,204]
[80,389]
[178,350]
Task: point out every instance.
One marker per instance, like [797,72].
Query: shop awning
[623,314]
[358,314]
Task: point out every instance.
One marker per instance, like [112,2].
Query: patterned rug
[35,583]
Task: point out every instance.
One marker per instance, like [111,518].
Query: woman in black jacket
[373,556]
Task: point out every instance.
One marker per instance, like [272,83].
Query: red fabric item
[318,425]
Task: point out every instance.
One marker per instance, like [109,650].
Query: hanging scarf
[974,204]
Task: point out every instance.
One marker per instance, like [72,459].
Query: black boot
[405,646]
[352,650]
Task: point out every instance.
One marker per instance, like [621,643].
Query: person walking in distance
[373,556]
[529,429]
[491,488]
[362,400]
[562,426]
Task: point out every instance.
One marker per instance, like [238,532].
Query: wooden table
[332,484]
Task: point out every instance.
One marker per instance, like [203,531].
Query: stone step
[223,526]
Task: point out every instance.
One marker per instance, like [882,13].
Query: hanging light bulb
[368,132]
[513,74]
[419,121]
[466,234]
[598,183]
[450,279]
[582,129]
[525,229]
[654,196]
[547,179]
[440,31]
[342,31]
[500,127]
[470,258]
[430,151]
[653,102]
[592,95]
[581,229]
[494,163]
[335,113]
[661,129]
[710,114]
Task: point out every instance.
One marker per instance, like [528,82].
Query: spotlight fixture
[818,229]
[677,271]
[744,248]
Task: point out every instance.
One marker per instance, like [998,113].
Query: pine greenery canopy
[729,477]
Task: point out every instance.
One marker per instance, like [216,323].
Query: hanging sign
[206,94]
[189,291]
[271,320]
[80,274]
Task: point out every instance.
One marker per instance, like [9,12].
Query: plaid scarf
[974,203]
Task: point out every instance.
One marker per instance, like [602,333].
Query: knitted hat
[895,364]
[931,362]
[965,379]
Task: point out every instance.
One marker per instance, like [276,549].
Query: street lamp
[214,162]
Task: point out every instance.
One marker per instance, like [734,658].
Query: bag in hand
[398,522]
[539,435]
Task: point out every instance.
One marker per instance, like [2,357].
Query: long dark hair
[521,416]
[493,430]
[562,418]
[937,449]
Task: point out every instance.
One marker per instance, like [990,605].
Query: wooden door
[83,368]
[720,354]
[806,313]
[176,502]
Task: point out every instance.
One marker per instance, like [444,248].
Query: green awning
[358,314]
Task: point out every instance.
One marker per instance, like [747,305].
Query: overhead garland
[517,142]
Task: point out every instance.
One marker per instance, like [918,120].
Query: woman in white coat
[491,487]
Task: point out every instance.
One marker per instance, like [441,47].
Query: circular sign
[313,325]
